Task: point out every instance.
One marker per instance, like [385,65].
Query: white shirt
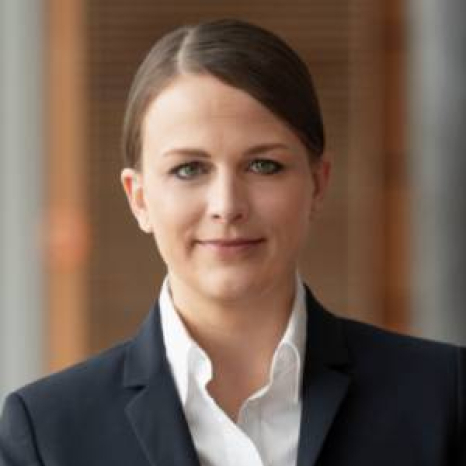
[267,430]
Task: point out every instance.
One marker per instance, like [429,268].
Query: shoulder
[401,361]
[362,336]
[79,401]
[99,383]
[86,383]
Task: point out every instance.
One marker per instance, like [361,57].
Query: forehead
[205,95]
[200,104]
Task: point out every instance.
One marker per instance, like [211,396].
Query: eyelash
[200,168]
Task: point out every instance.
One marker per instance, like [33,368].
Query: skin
[228,191]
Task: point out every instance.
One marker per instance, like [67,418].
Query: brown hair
[240,54]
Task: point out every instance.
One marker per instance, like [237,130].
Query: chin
[224,288]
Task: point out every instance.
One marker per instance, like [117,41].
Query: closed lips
[231,243]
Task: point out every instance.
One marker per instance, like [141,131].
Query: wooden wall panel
[68,234]
[397,282]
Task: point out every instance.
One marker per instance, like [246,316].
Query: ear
[131,180]
[320,175]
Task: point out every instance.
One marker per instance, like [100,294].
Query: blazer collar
[325,381]
[157,416]
[155,412]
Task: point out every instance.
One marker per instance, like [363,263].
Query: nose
[228,199]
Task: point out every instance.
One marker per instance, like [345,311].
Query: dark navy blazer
[369,398]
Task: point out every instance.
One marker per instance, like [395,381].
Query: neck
[239,325]
[239,336]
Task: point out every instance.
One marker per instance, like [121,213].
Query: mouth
[231,243]
[227,249]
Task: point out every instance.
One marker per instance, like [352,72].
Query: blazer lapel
[324,383]
[157,417]
[155,412]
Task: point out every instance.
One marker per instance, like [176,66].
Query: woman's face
[226,188]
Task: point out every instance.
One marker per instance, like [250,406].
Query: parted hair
[239,54]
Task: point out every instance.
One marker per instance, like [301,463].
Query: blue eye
[265,166]
[188,171]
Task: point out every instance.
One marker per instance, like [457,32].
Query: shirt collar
[186,357]
[178,342]
[289,355]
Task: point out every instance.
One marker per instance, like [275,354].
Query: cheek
[170,237]
[288,208]
[290,219]
[173,218]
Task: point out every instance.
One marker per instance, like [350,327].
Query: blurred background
[76,275]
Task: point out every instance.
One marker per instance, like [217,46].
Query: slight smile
[232,248]
[233,243]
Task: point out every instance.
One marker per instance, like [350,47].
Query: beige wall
[22,309]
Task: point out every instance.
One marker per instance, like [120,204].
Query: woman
[237,364]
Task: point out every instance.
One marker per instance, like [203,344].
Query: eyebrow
[255,150]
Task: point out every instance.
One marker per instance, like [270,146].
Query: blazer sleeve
[461,407]
[17,443]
